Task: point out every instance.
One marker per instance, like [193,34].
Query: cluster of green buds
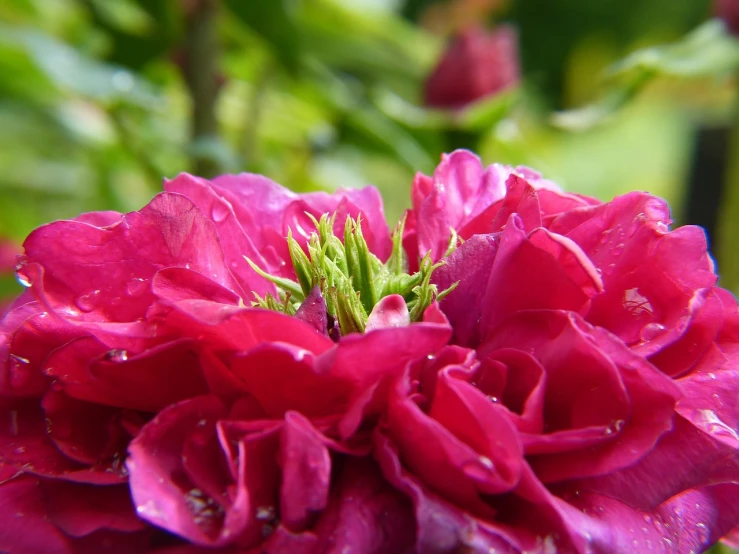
[351,279]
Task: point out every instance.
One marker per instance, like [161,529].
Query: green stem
[201,75]
[727,251]
[253,114]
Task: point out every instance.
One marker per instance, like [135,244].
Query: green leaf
[488,112]
[273,21]
[707,51]
[391,137]
[478,116]
[602,110]
[301,264]
[358,261]
[71,70]
[285,284]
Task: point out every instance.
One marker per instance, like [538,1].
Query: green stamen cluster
[351,278]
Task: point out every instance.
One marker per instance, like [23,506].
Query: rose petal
[79,510]
[25,526]
[391,311]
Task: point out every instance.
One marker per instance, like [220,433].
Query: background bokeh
[101,99]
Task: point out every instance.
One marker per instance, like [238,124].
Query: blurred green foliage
[95,107]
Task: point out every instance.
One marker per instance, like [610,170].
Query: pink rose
[563,379]
[476,64]
[126,315]
[555,285]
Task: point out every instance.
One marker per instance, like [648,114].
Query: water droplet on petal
[20,371]
[714,425]
[265,513]
[618,249]
[651,331]
[137,286]
[479,469]
[87,302]
[116,355]
[704,533]
[20,450]
[219,212]
[23,280]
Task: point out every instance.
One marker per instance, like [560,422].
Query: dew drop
[116,355]
[23,280]
[136,287]
[714,425]
[479,469]
[20,450]
[618,249]
[704,534]
[219,212]
[265,513]
[493,399]
[87,302]
[20,371]
[651,331]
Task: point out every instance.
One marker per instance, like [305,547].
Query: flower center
[349,278]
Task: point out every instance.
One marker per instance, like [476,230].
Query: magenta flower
[236,368]
[476,64]
[728,11]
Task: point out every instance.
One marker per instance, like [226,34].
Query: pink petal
[391,311]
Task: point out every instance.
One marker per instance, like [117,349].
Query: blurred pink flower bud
[728,10]
[476,64]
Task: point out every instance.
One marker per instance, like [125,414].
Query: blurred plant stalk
[201,73]
[728,223]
